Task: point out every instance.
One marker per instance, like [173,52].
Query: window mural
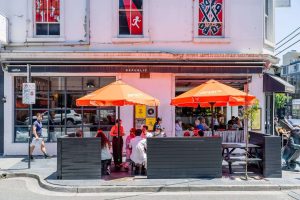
[210,18]
[47,17]
[130,17]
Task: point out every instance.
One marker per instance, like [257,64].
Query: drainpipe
[86,28]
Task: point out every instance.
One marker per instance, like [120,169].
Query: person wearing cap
[117,151]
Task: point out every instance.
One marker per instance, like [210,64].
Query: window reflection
[74,83]
[71,100]
[56,101]
[57,83]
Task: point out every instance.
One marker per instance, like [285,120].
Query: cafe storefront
[162,75]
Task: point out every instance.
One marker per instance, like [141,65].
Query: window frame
[196,21]
[117,38]
[61,24]
[268,22]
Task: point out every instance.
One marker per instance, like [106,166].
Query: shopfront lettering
[137,70]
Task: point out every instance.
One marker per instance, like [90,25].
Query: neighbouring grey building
[291,72]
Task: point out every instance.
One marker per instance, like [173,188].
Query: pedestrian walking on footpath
[36,136]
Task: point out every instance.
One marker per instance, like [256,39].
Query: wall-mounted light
[90,84]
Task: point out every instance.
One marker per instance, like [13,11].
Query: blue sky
[287,20]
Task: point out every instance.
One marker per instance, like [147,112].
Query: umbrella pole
[212,117]
[119,139]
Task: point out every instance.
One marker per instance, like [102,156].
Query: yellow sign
[140,111]
[256,124]
[150,123]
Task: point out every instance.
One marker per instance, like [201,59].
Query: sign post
[28,97]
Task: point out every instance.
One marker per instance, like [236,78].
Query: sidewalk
[44,170]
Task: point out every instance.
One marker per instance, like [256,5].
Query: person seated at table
[201,133]
[139,147]
[145,132]
[186,134]
[78,133]
[230,127]
[222,125]
[202,126]
[105,153]
[196,123]
[231,121]
[237,124]
[195,133]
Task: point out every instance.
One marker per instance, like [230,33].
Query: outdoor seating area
[190,154]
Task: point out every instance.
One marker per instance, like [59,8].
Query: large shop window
[47,17]
[55,99]
[130,17]
[211,21]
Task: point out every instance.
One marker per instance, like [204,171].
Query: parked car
[71,118]
[294,122]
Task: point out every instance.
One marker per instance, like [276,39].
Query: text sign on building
[3,30]
[28,93]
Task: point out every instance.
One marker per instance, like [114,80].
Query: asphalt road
[28,189]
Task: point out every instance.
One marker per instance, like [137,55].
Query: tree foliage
[249,111]
[281,99]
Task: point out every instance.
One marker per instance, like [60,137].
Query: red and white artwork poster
[47,11]
[134,17]
[210,18]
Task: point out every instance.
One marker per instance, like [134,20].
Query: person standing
[117,150]
[157,125]
[37,139]
[178,128]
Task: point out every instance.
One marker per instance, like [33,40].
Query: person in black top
[157,125]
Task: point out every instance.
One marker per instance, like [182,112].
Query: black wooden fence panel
[270,153]
[184,157]
[79,158]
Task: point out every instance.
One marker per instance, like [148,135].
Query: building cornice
[133,56]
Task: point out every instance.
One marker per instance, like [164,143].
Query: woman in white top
[105,153]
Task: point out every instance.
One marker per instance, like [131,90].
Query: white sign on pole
[28,93]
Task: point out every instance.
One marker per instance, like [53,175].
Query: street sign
[28,93]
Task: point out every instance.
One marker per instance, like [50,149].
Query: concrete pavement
[44,171]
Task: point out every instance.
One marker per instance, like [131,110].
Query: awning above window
[274,83]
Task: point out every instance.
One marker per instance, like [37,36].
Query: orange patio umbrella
[118,94]
[213,93]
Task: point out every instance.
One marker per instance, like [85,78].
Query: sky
[286,21]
